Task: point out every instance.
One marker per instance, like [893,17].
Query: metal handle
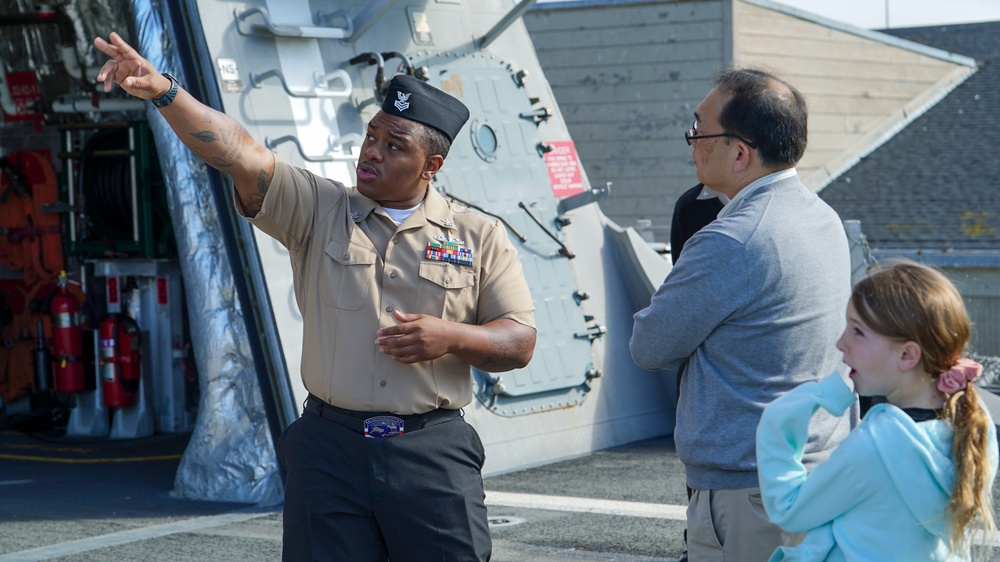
[324,80]
[294,140]
[257,77]
[285,30]
[563,250]
[337,144]
[342,143]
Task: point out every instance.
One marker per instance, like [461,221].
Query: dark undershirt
[922,414]
[916,414]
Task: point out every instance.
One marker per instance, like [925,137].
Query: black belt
[377,424]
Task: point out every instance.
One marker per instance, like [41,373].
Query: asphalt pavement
[66,499]
[111,501]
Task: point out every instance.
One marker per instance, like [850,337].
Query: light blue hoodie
[882,494]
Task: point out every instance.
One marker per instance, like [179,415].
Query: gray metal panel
[499,183]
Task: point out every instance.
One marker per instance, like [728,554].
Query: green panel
[105,160]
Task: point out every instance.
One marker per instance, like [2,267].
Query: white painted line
[587,505]
[520,551]
[70,548]
[630,509]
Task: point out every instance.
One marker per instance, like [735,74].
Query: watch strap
[168,97]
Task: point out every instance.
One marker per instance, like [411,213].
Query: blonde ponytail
[970,503]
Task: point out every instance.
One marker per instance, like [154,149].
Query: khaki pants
[731,526]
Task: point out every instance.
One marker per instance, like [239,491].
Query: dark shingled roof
[936,184]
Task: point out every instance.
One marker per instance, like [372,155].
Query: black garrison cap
[413,99]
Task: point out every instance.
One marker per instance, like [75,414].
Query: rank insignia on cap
[450,251]
[416,100]
[402,101]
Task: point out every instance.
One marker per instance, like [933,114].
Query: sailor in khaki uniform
[400,292]
[367,274]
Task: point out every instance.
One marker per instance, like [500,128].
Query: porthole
[484,140]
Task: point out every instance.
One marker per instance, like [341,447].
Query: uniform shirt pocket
[446,291]
[347,275]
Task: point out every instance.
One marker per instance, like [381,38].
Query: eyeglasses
[692,134]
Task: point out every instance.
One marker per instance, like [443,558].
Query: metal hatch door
[499,167]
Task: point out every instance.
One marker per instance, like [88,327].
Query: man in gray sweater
[754,306]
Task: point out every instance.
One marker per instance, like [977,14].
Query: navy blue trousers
[411,497]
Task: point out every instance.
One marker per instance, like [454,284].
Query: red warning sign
[24,94]
[564,169]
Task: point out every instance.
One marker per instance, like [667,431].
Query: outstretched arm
[795,499]
[500,345]
[219,140]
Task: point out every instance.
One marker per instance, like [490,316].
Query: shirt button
[388,309]
[382,384]
[395,240]
[347,257]
[392,275]
[447,280]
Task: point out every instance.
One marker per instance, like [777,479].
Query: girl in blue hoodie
[913,480]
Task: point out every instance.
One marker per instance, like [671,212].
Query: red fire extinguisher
[120,360]
[67,340]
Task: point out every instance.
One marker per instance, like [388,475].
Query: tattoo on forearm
[205,136]
[239,143]
[204,152]
[216,162]
[255,201]
[234,138]
[234,142]
[263,181]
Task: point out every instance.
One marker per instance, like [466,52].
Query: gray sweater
[752,309]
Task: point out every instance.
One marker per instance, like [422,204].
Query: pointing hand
[129,70]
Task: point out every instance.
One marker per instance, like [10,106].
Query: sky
[871,14]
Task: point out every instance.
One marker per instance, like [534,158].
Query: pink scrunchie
[956,378]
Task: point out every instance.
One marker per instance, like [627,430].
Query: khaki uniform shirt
[352,266]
